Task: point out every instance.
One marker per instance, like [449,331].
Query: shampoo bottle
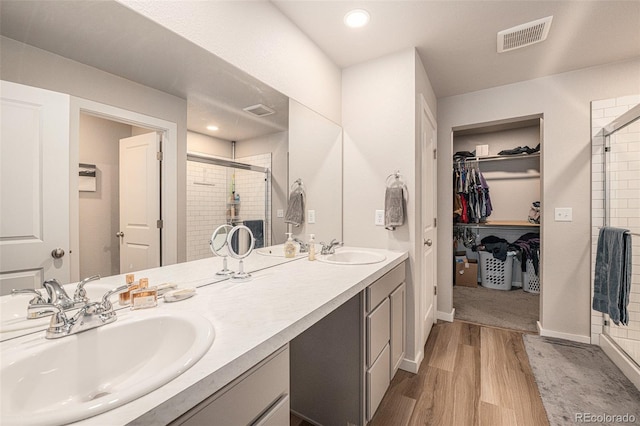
[289,247]
[312,247]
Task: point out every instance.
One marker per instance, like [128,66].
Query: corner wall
[564,100]
[379,103]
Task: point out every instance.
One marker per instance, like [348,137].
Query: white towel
[394,207]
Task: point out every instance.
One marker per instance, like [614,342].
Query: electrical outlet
[564,214]
[379,221]
[311,216]
[280,213]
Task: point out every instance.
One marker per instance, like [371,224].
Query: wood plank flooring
[471,375]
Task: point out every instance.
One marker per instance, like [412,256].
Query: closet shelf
[500,224]
[500,157]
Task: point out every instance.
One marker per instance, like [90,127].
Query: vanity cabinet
[385,307]
[258,397]
[341,366]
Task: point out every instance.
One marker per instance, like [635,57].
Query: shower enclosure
[616,202]
[222,191]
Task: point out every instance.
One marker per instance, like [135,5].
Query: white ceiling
[456,40]
[106,35]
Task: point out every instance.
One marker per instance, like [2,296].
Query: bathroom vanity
[262,327]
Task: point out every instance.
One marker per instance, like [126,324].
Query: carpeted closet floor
[514,309]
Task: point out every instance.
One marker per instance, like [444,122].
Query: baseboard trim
[621,360]
[412,365]
[447,316]
[566,336]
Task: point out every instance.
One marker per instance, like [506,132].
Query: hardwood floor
[471,375]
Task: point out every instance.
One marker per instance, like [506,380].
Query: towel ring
[396,179]
[297,184]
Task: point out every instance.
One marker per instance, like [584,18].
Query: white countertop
[251,320]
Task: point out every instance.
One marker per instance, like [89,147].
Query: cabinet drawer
[278,415]
[380,290]
[255,396]
[378,331]
[377,382]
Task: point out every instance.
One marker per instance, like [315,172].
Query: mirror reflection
[107,80]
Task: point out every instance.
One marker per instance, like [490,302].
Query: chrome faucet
[56,295]
[304,247]
[91,315]
[331,247]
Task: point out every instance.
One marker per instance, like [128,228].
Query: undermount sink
[352,257]
[13,309]
[79,376]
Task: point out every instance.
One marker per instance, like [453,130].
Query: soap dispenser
[312,247]
[289,247]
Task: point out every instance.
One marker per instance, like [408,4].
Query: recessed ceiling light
[357,18]
[212,128]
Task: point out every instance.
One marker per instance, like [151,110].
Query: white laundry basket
[531,280]
[496,274]
[516,277]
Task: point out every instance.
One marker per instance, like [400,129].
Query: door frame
[168,180]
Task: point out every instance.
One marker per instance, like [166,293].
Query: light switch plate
[379,221]
[311,216]
[280,213]
[563,214]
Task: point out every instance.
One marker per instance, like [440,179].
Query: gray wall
[381,135]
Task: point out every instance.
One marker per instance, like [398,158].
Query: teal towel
[612,281]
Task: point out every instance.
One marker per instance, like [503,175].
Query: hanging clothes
[472,203]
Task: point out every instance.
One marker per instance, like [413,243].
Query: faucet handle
[80,294]
[106,303]
[37,300]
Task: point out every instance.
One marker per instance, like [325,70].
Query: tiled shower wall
[624,212]
[208,189]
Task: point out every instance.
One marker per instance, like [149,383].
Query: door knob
[120,234]
[428,242]
[57,253]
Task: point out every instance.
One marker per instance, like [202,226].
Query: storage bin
[516,278]
[496,274]
[531,280]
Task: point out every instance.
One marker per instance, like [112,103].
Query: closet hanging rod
[496,158]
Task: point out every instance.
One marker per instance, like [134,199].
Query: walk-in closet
[496,223]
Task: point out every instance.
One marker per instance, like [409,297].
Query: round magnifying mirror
[240,242]
[219,240]
[218,245]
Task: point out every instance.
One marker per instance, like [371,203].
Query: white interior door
[139,202]
[429,271]
[34,186]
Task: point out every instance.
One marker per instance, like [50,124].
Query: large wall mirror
[133,67]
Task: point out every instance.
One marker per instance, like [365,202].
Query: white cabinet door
[398,324]
[377,382]
[378,329]
[34,186]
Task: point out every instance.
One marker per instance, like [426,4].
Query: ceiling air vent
[259,110]
[524,35]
